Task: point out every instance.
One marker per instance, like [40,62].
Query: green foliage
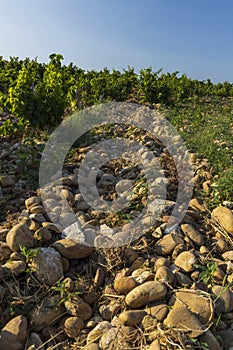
[207,272]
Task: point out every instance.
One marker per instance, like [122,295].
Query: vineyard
[167,289]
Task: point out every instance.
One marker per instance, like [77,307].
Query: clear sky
[194,37]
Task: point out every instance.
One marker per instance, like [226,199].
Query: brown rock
[224,216]
[34,342]
[42,235]
[184,320]
[224,300]
[193,234]
[155,345]
[166,244]
[210,340]
[73,326]
[132,318]
[201,305]
[32,200]
[110,310]
[124,285]
[98,331]
[15,267]
[164,274]
[5,251]
[47,313]
[158,311]
[92,346]
[71,249]
[145,294]
[228,255]
[186,260]
[19,236]
[13,336]
[7,181]
[76,306]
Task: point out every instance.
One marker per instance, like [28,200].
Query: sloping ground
[166,290]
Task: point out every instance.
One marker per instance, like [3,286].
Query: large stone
[13,336]
[15,267]
[197,302]
[210,340]
[193,234]
[47,313]
[186,260]
[224,299]
[227,338]
[132,318]
[167,243]
[73,326]
[7,181]
[47,265]
[76,306]
[34,342]
[5,251]
[124,285]
[184,320]
[19,236]
[158,311]
[145,294]
[98,331]
[71,249]
[224,216]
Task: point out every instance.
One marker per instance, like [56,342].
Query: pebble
[76,306]
[71,249]
[224,216]
[19,236]
[145,294]
[186,260]
[132,318]
[73,326]
[14,334]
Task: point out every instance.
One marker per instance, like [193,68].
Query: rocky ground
[166,290]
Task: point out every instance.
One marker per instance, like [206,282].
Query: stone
[184,320]
[19,236]
[180,279]
[164,275]
[5,251]
[99,277]
[145,294]
[124,285]
[195,204]
[186,261]
[73,326]
[16,268]
[92,346]
[155,345]
[193,234]
[34,342]
[224,216]
[228,255]
[47,265]
[130,256]
[132,318]
[7,181]
[224,299]
[197,302]
[110,310]
[98,331]
[210,340]
[42,235]
[14,334]
[166,244]
[157,310]
[76,306]
[227,338]
[71,249]
[31,201]
[142,275]
[48,312]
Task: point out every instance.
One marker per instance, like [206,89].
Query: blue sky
[194,37]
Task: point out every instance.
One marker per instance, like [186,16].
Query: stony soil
[166,290]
